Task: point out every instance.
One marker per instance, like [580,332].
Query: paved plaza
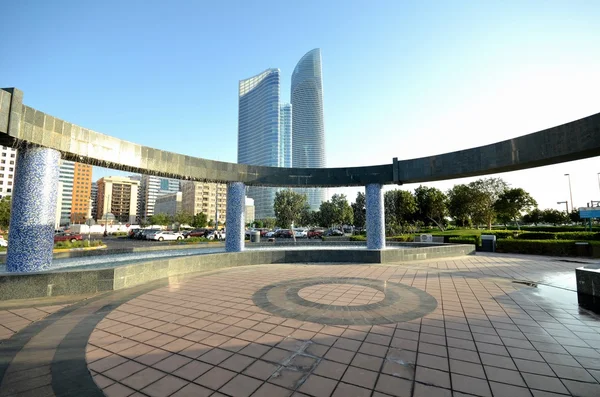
[485,325]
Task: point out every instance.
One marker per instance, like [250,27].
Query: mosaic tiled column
[375,217]
[236,203]
[32,216]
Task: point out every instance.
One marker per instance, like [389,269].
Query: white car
[165,235]
[219,235]
[300,233]
[270,234]
[3,242]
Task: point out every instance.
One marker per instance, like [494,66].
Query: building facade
[169,204]
[94,199]
[199,197]
[259,141]
[66,176]
[308,128]
[82,187]
[152,187]
[118,196]
[249,211]
[7,170]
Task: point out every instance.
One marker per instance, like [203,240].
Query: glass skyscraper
[259,141]
[285,135]
[308,131]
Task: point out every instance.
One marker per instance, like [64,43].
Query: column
[31,231]
[375,217]
[234,236]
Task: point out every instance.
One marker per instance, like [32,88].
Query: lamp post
[570,191]
[598,180]
[566,203]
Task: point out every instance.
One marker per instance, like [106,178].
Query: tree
[160,219]
[183,218]
[460,204]
[400,208]
[199,220]
[574,217]
[512,203]
[534,216]
[308,217]
[288,207]
[431,204]
[344,213]
[327,214]
[553,216]
[359,210]
[5,212]
[485,194]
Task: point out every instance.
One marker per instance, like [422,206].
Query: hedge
[585,236]
[500,233]
[402,238]
[77,244]
[556,229]
[537,236]
[538,247]
[358,238]
[464,240]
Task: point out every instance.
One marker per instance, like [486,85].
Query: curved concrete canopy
[23,125]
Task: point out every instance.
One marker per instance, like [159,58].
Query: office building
[249,211]
[285,135]
[202,197]
[259,141]
[118,196]
[308,130]
[169,204]
[80,199]
[94,199]
[152,187]
[66,176]
[8,158]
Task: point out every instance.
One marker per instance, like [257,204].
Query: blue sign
[589,212]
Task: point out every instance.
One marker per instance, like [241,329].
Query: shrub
[556,229]
[358,238]
[403,238]
[118,234]
[537,247]
[77,244]
[193,240]
[537,236]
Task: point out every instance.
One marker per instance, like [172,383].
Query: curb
[58,250]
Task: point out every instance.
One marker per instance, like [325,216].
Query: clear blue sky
[400,80]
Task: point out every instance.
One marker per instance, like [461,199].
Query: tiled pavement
[206,336]
[14,320]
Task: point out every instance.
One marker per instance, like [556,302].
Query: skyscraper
[285,135]
[152,187]
[258,132]
[308,130]
[66,176]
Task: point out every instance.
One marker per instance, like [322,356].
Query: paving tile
[504,390]
[546,383]
[394,386]
[143,378]
[164,387]
[360,377]
[261,370]
[192,370]
[270,390]
[286,378]
[367,362]
[240,386]
[124,370]
[422,390]
[582,389]
[467,384]
[346,390]
[215,378]
[432,377]
[339,355]
[192,390]
[504,376]
[318,386]
[117,390]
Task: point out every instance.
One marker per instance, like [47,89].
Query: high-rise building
[169,204]
[308,130]
[259,141]
[7,170]
[82,186]
[94,198]
[285,135]
[151,188]
[66,176]
[118,195]
[202,197]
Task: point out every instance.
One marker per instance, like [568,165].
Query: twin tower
[276,134]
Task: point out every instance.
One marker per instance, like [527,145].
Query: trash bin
[255,237]
[488,243]
[582,248]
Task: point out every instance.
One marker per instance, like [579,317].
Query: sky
[400,79]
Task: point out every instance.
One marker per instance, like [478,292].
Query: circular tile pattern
[341,294]
[300,299]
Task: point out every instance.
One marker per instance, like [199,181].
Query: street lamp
[566,203]
[570,191]
[598,181]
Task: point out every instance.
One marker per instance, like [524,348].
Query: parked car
[284,233]
[64,236]
[218,235]
[165,235]
[133,232]
[146,232]
[3,242]
[315,233]
[270,233]
[334,232]
[300,233]
[196,233]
